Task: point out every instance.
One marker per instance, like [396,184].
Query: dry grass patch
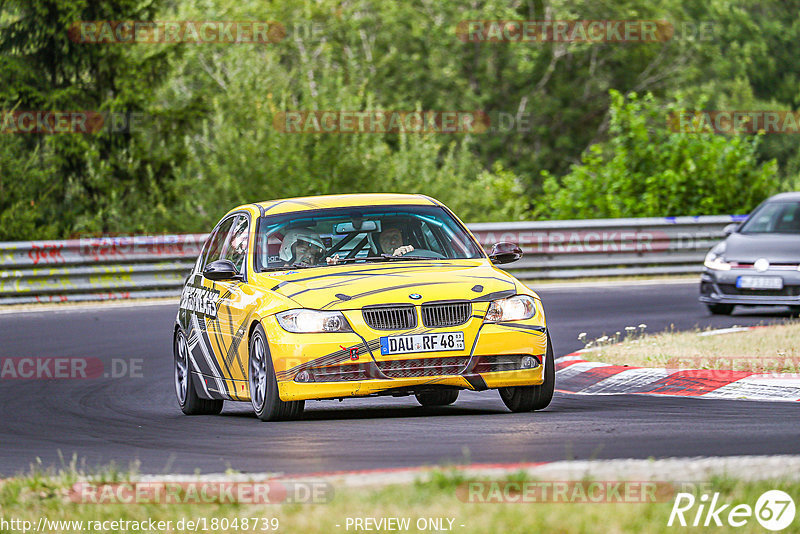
[765,349]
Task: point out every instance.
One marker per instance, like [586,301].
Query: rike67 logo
[774,510]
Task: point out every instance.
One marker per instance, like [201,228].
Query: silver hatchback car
[758,264]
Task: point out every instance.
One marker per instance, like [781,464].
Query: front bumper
[291,390]
[719,287]
[313,366]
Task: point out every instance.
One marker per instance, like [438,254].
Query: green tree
[78,182]
[210,142]
[646,170]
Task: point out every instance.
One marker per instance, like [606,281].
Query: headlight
[516,308]
[714,259]
[310,321]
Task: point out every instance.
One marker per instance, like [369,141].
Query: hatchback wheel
[720,309]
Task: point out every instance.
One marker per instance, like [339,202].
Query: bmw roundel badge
[415,296]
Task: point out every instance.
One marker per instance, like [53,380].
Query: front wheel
[188,399]
[529,398]
[437,398]
[264,395]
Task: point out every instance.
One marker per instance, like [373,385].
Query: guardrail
[608,247]
[111,268]
[106,268]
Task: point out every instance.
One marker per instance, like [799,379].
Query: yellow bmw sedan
[351,296]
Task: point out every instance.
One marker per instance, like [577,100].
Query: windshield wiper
[363,258]
[382,257]
[389,257]
[290,267]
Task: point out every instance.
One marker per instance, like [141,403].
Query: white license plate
[759,282]
[422,343]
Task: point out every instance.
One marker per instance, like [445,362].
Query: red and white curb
[574,374]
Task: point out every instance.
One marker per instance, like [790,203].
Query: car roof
[792,195]
[286,205]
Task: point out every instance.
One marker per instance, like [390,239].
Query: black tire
[441,397]
[188,399]
[720,309]
[264,395]
[530,398]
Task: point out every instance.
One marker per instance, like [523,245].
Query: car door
[199,303]
[234,310]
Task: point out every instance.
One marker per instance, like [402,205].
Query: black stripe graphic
[236,341]
[535,328]
[340,283]
[220,343]
[477,382]
[390,288]
[298,202]
[400,270]
[497,295]
[340,355]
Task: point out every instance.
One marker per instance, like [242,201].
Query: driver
[391,241]
[303,246]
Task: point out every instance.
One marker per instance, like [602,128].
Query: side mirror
[505,252]
[730,228]
[221,270]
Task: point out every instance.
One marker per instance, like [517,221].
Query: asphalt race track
[137,419]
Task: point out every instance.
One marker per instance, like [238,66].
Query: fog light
[528,362]
[303,376]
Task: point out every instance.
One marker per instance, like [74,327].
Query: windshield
[774,218]
[361,234]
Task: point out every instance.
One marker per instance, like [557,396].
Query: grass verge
[440,503]
[766,349]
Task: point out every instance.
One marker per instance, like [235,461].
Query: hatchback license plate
[422,343]
[759,282]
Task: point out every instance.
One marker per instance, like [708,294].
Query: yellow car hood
[354,286]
